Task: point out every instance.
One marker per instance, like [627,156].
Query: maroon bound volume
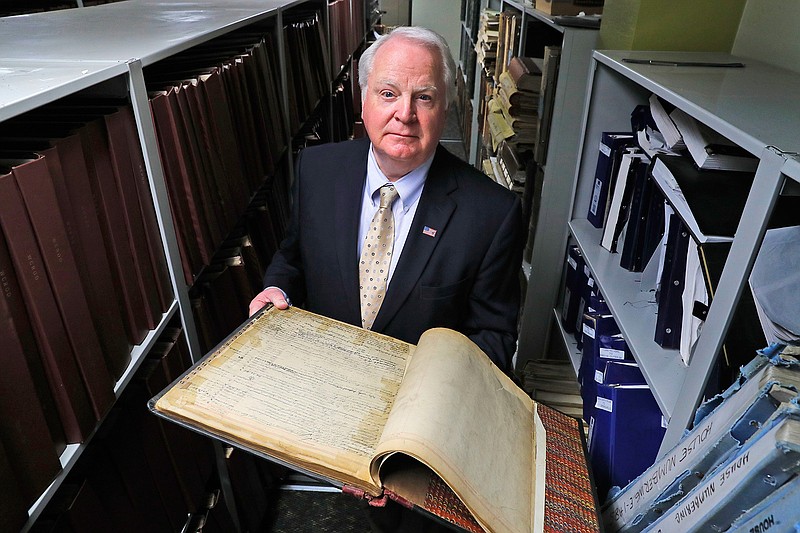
[147,207]
[72,399]
[119,151]
[185,214]
[222,128]
[24,432]
[114,228]
[36,186]
[105,300]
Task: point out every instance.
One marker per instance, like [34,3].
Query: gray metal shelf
[47,56]
[147,30]
[757,108]
[632,302]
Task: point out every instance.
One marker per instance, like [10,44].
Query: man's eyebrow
[394,85]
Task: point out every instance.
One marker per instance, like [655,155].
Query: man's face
[404,106]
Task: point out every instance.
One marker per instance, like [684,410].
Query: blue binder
[611,147]
[668,296]
[625,433]
[574,281]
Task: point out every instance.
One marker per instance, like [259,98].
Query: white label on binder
[572,262]
[610,353]
[588,331]
[605,404]
[598,376]
[604,149]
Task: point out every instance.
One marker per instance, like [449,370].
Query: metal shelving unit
[756,107]
[102,50]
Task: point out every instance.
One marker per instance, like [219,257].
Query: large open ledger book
[372,413]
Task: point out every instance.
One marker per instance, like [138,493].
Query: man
[454,250]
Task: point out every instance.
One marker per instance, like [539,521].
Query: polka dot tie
[376,256]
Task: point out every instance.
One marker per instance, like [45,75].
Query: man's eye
[387,94]
[425,97]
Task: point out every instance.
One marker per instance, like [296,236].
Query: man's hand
[272,295]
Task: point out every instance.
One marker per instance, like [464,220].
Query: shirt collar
[409,187]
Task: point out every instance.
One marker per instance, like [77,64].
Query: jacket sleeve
[494,302]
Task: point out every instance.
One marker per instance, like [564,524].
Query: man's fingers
[271,295]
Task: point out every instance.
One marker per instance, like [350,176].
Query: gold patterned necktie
[376,256]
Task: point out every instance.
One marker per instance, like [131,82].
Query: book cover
[526,73]
[13,510]
[709,202]
[710,150]
[632,256]
[777,512]
[357,432]
[669,296]
[632,164]
[573,287]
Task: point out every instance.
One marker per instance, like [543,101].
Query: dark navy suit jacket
[465,277]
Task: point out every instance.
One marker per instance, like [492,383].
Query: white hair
[418,34]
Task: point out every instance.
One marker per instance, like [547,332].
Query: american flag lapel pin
[429,231]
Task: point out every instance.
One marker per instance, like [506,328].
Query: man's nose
[406,110]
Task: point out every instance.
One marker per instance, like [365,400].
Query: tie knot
[388,195]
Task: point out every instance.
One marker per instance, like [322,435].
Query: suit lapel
[434,211]
[347,212]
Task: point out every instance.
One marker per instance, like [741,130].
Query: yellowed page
[468,422]
[317,396]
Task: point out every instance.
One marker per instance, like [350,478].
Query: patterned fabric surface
[570,504]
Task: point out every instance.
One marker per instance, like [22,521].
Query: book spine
[36,186]
[114,229]
[709,442]
[772,455]
[75,193]
[72,400]
[183,211]
[122,165]
[147,207]
[25,431]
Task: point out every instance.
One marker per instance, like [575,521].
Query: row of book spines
[217,138]
[203,125]
[140,473]
[347,31]
[84,279]
[221,294]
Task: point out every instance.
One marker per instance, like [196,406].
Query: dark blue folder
[611,148]
[670,287]
[624,436]
[574,282]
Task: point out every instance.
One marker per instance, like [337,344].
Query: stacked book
[486,43]
[515,104]
[737,466]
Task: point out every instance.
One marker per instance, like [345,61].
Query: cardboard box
[570,7]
